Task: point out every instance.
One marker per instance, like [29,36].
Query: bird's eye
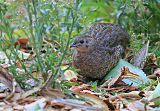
[81,41]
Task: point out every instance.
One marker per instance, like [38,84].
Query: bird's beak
[73,45]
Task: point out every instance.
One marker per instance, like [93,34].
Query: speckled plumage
[99,49]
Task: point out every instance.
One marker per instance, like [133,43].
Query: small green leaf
[156,94]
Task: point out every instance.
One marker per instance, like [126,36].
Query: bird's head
[83,43]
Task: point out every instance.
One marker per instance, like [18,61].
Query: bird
[98,50]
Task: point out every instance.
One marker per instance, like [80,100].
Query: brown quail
[99,49]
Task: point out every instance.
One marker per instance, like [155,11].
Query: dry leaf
[138,106]
[30,92]
[3,95]
[125,73]
[157,72]
[84,106]
[130,95]
[6,78]
[26,100]
[18,64]
[69,74]
[23,40]
[80,88]
[140,57]
[36,106]
[51,93]
[97,101]
[18,108]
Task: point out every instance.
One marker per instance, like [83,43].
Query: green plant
[140,17]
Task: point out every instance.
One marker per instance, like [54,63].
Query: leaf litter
[120,91]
